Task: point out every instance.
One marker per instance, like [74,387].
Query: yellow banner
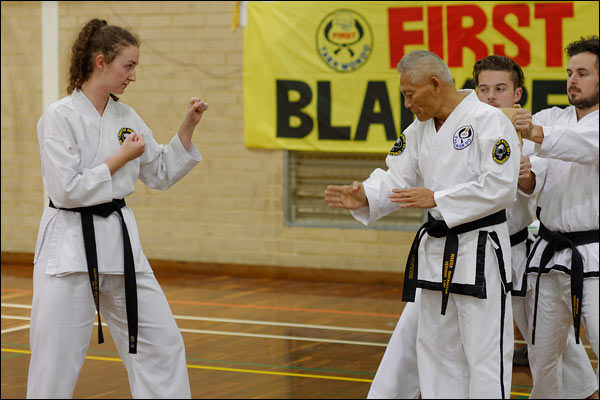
[321,76]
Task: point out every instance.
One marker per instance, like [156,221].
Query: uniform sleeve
[67,183]
[161,166]
[496,186]
[568,143]
[402,173]
[538,167]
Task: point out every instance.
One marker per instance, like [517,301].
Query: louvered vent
[309,173]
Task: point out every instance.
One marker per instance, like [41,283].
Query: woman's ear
[100,62]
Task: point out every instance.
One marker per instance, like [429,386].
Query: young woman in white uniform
[88,253]
[563,267]
[460,159]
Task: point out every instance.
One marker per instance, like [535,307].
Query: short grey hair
[421,64]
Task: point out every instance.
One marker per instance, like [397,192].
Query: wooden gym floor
[244,338]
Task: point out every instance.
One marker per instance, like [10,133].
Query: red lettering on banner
[460,37]
[434,30]
[523,57]
[554,13]
[400,38]
[344,35]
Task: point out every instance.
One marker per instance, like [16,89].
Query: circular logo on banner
[399,146]
[501,151]
[123,133]
[344,40]
[463,137]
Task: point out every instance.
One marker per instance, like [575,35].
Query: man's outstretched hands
[352,197]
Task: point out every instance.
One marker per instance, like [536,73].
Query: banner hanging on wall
[321,76]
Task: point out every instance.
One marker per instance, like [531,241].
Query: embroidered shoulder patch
[123,133]
[501,151]
[399,146]
[463,137]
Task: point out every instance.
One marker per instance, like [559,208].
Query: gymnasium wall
[229,209]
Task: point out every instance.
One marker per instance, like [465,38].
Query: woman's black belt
[89,241]
[558,241]
[439,228]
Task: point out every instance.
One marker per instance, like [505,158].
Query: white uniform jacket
[472,165]
[75,141]
[519,216]
[569,185]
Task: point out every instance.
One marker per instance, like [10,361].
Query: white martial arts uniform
[569,203]
[75,141]
[397,376]
[472,166]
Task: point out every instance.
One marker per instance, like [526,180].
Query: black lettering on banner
[287,109]
[376,91]
[406,116]
[541,89]
[326,130]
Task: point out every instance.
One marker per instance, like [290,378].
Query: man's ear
[518,94]
[435,82]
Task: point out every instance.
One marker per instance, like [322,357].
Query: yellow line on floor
[249,371]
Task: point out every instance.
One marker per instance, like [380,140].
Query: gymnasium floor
[244,337]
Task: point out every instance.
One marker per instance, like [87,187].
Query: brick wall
[21,88]
[229,209]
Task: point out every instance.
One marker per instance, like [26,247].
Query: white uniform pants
[466,353]
[397,376]
[578,376]
[554,320]
[520,314]
[62,318]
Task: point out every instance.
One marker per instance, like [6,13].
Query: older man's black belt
[89,241]
[558,241]
[438,229]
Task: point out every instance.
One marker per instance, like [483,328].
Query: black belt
[438,229]
[519,237]
[558,241]
[89,241]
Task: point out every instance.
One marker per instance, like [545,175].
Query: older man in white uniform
[564,261]
[499,82]
[459,159]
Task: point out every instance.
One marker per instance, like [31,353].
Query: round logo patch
[344,40]
[501,151]
[123,133]
[463,137]
[399,146]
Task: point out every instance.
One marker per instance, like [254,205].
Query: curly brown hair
[96,37]
[584,44]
